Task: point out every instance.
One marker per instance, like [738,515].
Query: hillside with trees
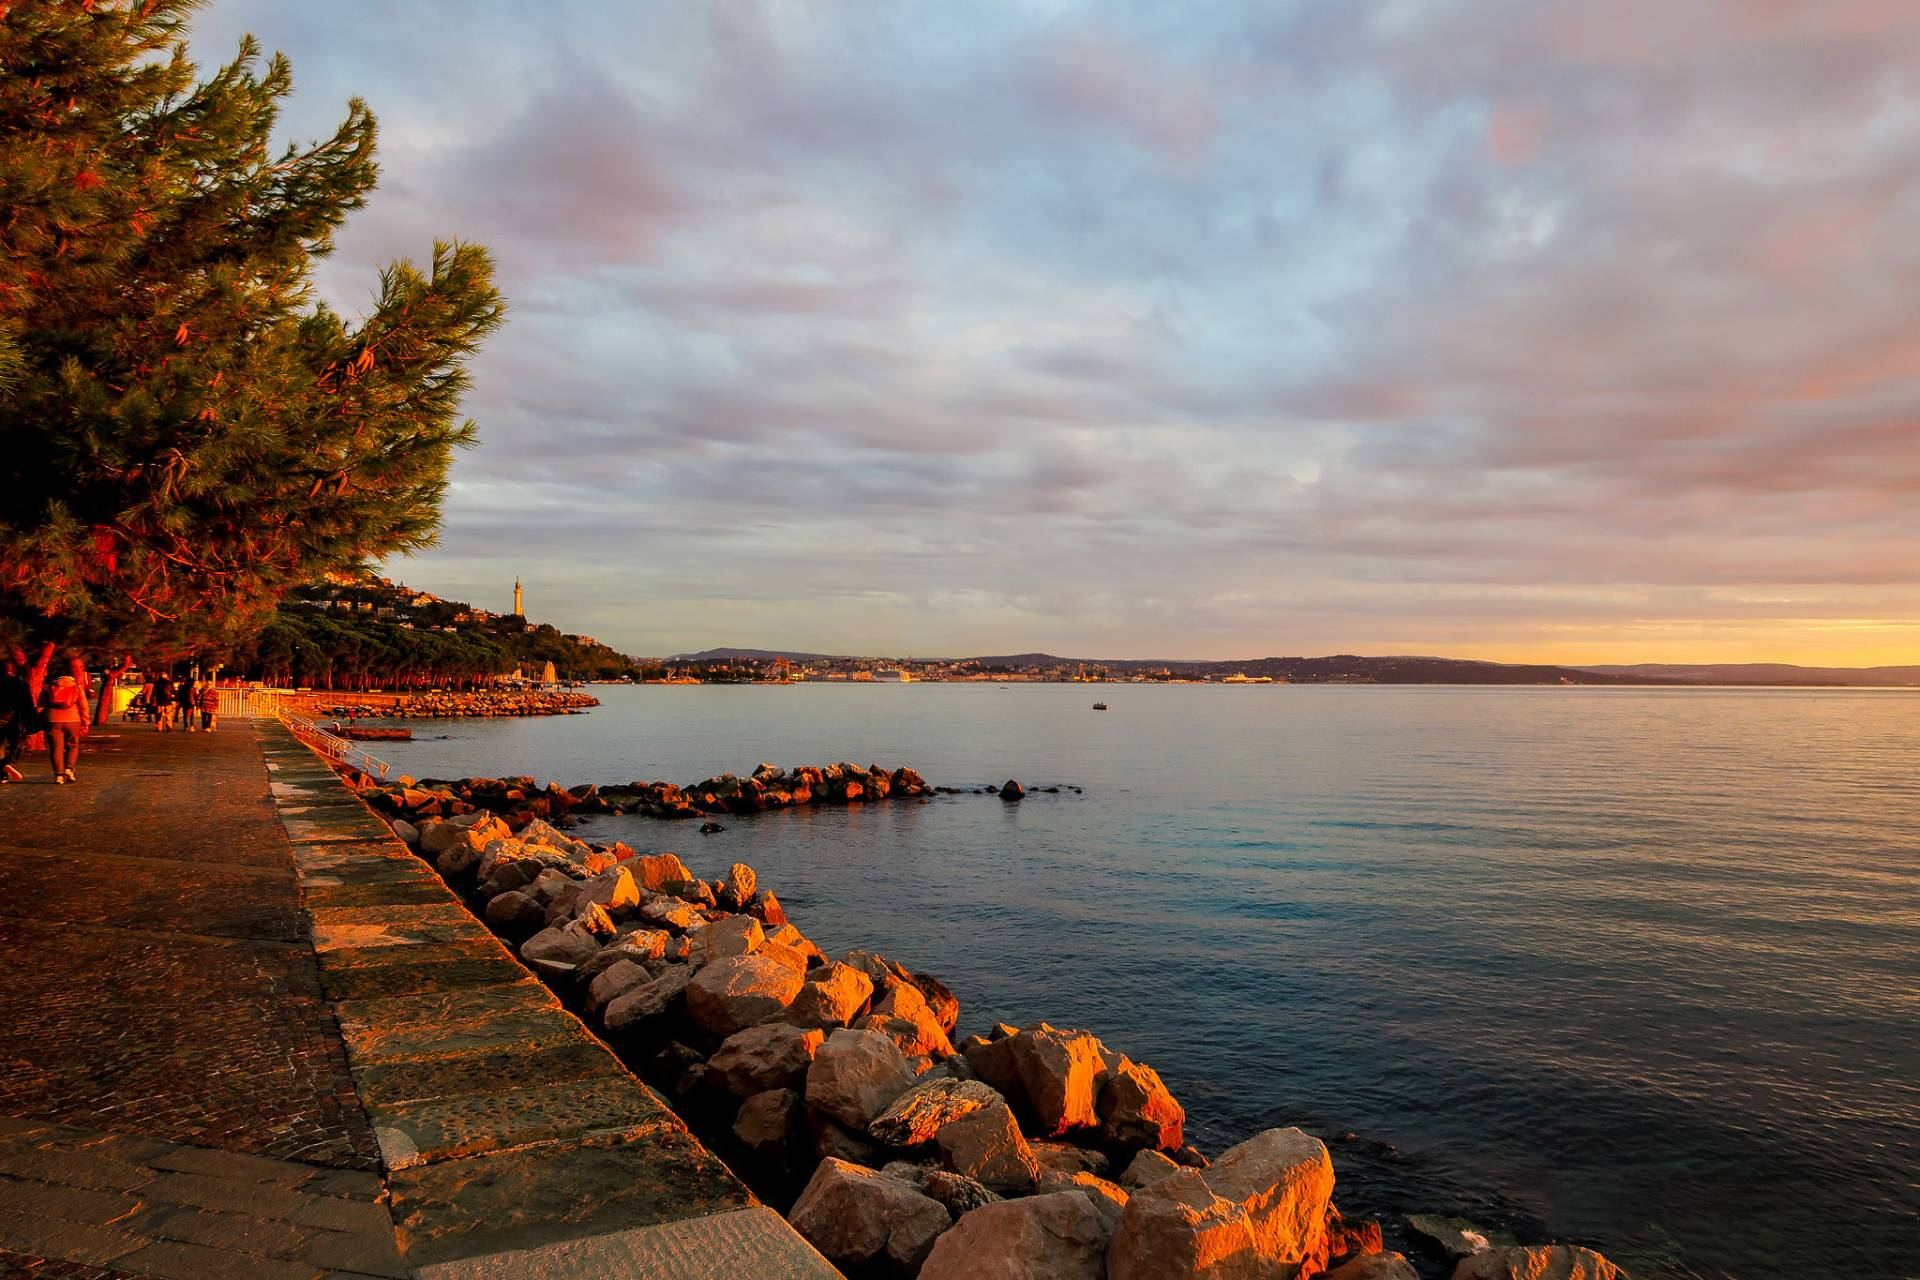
[362,632]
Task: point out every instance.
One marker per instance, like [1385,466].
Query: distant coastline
[768,666]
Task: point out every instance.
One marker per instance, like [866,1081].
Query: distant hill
[755,655]
[1347,668]
[1014,661]
[1332,669]
[1773,673]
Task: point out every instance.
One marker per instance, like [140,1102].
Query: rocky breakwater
[1021,1152]
[519,800]
[479,703]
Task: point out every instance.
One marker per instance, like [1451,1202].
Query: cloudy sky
[1493,328]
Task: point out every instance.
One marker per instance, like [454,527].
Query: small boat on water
[1099,706]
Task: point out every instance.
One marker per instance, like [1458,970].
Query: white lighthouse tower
[518,612]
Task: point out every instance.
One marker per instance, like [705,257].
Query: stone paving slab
[558,1191]
[724,1246]
[79,1203]
[407,976]
[389,1084]
[493,1118]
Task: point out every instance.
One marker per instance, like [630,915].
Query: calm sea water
[1635,967]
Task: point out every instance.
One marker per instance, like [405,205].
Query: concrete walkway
[246,1033]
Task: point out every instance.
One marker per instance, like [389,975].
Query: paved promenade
[245,1033]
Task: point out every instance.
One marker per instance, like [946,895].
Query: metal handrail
[331,745]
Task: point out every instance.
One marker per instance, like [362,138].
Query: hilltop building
[518,612]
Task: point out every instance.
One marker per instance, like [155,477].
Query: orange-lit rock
[1259,1210]
[1137,1110]
[1058,1236]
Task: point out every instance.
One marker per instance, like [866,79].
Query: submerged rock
[1537,1262]
[1375,1266]
[1453,1237]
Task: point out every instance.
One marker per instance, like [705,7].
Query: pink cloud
[1160,107]
[1513,133]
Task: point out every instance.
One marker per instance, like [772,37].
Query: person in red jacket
[209,696]
[64,708]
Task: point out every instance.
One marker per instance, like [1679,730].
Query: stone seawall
[515,1142]
[1013,1153]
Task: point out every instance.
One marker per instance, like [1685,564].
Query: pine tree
[185,433]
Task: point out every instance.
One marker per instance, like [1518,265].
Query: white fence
[330,744]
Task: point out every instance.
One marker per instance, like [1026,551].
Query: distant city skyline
[1522,331]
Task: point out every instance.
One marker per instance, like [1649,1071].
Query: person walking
[77,668]
[17,718]
[163,707]
[209,705]
[183,696]
[65,711]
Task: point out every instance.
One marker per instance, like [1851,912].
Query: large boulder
[986,1145]
[1259,1210]
[855,1075]
[773,1055]
[1065,1157]
[1147,1168]
[782,955]
[1374,1266]
[671,913]
[515,913]
[1060,1073]
[615,981]
[738,992]
[922,1111]
[1108,1199]
[736,890]
[1137,1110]
[730,936]
[613,889]
[770,1123]
[565,946]
[861,1219]
[991,1059]
[654,1000]
[657,870]
[1537,1262]
[902,1001]
[1049,1237]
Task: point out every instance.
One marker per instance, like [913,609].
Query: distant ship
[1239,677]
[1099,706]
[891,676]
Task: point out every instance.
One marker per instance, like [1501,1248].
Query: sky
[1541,330]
